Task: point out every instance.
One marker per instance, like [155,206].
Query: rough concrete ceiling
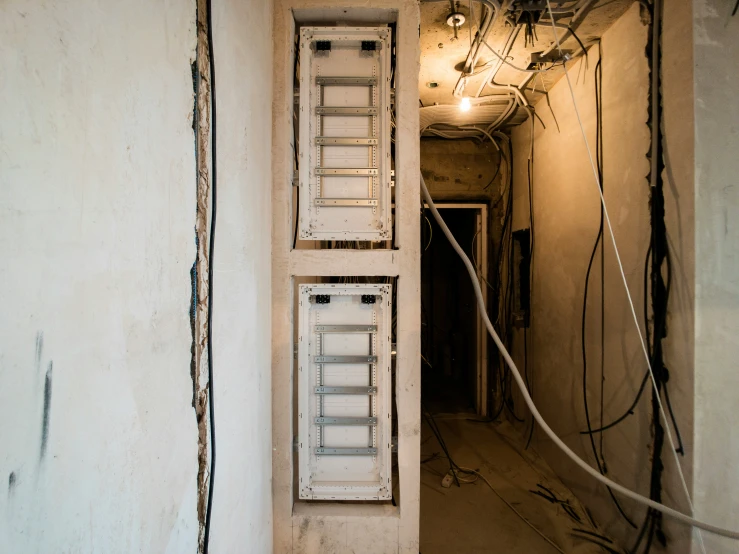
[443,55]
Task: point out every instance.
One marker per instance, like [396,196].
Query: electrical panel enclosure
[344,392]
[344,152]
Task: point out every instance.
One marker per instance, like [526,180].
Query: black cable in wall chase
[211,248]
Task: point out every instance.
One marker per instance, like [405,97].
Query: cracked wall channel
[199,273]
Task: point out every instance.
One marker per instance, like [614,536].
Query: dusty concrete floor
[472,519]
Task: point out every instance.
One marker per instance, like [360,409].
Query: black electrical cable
[598,73]
[297,188]
[453,467]
[593,540]
[680,448]
[525,372]
[502,403]
[530,386]
[659,289]
[497,171]
[211,249]
[592,534]
[630,410]
[296,77]
[504,253]
[502,304]
[508,297]
[642,530]
[297,213]
[584,51]
[598,78]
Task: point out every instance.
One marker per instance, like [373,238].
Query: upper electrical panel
[345,107]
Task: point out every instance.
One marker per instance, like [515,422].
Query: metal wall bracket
[328,110]
[346,420]
[346,390]
[345,359]
[347,171]
[347,202]
[346,328]
[347,81]
[322,451]
[345,141]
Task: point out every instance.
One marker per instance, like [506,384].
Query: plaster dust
[472,518]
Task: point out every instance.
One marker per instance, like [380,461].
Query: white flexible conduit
[530,403]
[492,13]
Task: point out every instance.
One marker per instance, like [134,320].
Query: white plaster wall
[97,214]
[716,39]
[566,208]
[242,513]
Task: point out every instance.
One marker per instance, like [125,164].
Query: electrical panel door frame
[344,176]
[344,392]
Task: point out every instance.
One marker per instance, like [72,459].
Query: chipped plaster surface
[199,367]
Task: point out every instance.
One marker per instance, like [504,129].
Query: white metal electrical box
[344,174]
[344,392]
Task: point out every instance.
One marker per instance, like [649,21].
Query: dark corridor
[448,315]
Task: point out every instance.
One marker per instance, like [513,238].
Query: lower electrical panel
[344,392]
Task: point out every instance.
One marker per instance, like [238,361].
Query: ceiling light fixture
[465,105]
[455,21]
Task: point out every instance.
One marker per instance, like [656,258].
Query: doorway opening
[453,339]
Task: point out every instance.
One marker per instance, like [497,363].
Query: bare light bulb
[464,105]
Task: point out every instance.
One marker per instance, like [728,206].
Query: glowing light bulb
[464,105]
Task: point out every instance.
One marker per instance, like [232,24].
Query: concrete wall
[242,510]
[97,215]
[566,216]
[716,38]
[460,169]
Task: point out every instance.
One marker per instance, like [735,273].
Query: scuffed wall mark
[11,483]
[46,412]
[200,70]
[39,350]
